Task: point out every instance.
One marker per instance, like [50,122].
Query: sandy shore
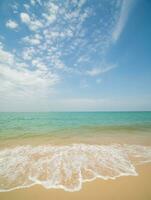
[123,188]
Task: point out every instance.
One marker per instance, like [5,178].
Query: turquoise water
[17,124]
[64,150]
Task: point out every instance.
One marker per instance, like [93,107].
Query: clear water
[63,150]
[18,124]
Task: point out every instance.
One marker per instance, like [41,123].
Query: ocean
[65,149]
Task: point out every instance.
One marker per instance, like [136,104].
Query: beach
[75,156]
[124,188]
[75,100]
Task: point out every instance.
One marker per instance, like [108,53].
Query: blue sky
[75,55]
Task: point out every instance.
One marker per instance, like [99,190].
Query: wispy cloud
[95,71]
[64,38]
[17,79]
[56,38]
[32,40]
[126,6]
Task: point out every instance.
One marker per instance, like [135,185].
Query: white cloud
[6,57]
[28,53]
[11,24]
[64,37]
[57,62]
[50,18]
[25,77]
[25,18]
[67,37]
[39,64]
[100,70]
[18,83]
[121,22]
[32,40]
[33,24]
[51,14]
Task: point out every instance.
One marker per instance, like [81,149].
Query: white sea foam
[67,167]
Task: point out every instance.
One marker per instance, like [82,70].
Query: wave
[67,167]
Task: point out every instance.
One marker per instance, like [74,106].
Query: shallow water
[63,150]
[67,167]
[24,124]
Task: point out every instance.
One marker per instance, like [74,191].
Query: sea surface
[64,149]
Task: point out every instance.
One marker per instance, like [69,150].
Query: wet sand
[105,138]
[123,188]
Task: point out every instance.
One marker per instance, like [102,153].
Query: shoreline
[126,187]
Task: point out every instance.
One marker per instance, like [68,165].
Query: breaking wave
[67,167]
